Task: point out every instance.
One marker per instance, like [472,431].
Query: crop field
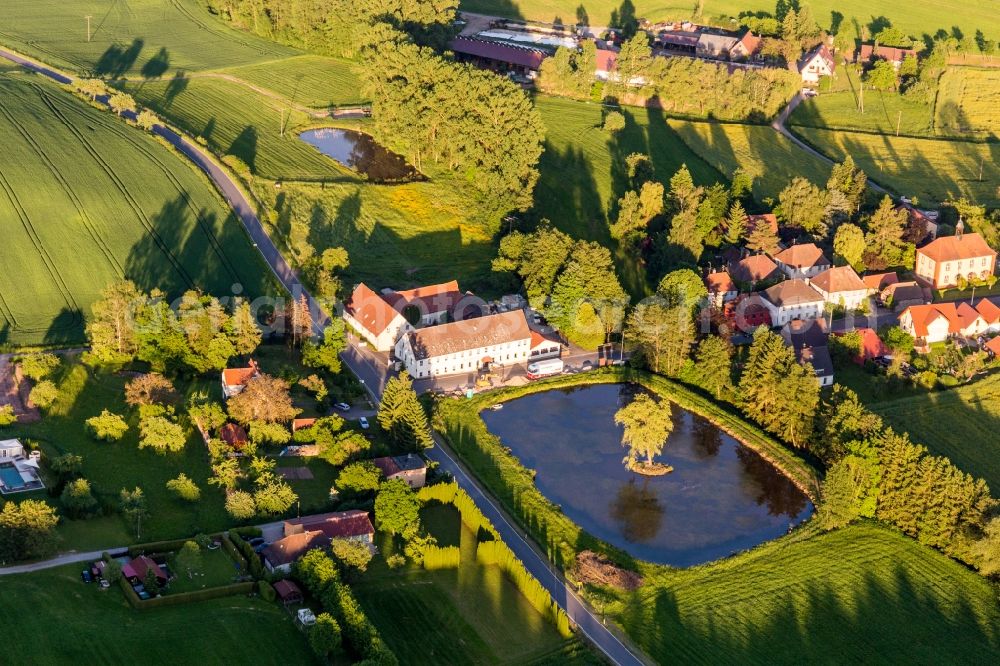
[72,622]
[915,17]
[840,108]
[469,615]
[310,80]
[855,595]
[961,423]
[86,200]
[140,38]
[771,158]
[967,101]
[932,170]
[235,120]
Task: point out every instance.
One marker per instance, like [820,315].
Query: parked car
[809,92]
[86,576]
[342,406]
[363,422]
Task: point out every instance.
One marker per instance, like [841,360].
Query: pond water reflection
[361,153]
[721,497]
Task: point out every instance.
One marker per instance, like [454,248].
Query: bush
[927,379]
[324,637]
[614,122]
[266,590]
[7,416]
[161,434]
[948,381]
[184,488]
[240,505]
[436,557]
[107,426]
[39,366]
[44,394]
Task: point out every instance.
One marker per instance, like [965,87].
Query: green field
[967,101]
[143,38]
[311,80]
[862,594]
[60,620]
[960,423]
[771,158]
[470,615]
[840,108]
[932,170]
[915,17]
[93,200]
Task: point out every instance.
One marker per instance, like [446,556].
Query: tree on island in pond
[647,423]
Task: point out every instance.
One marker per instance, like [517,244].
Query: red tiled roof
[951,248]
[924,315]
[239,376]
[539,339]
[387,465]
[335,525]
[871,345]
[429,299]
[890,53]
[469,334]
[966,315]
[286,590]
[290,548]
[750,42]
[234,435]
[370,310]
[806,255]
[994,346]
[989,311]
[298,424]
[523,56]
[838,280]
[606,60]
[879,281]
[138,567]
[719,282]
[755,268]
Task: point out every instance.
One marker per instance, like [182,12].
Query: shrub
[184,488]
[240,505]
[149,389]
[395,561]
[107,426]
[39,366]
[436,557]
[948,381]
[77,498]
[112,570]
[266,590]
[161,434]
[44,394]
[324,636]
[7,416]
[927,379]
[614,122]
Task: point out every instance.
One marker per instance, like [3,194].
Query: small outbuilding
[288,592]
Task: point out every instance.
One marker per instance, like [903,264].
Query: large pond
[721,497]
[361,153]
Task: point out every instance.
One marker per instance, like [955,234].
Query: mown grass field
[932,170]
[470,615]
[960,423]
[856,595]
[54,618]
[235,120]
[915,17]
[142,38]
[771,158]
[840,108]
[310,80]
[967,101]
[91,201]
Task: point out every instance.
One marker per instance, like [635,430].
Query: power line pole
[899,121]
[88,17]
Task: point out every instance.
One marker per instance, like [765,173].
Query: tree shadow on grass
[116,60]
[156,66]
[244,146]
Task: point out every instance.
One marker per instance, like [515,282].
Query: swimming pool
[10,478]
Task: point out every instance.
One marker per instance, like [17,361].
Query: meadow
[470,615]
[71,622]
[92,201]
[967,101]
[310,80]
[932,170]
[772,159]
[914,17]
[960,423]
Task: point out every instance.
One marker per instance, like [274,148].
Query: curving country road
[593,628]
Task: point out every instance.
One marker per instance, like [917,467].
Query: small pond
[361,153]
[721,497]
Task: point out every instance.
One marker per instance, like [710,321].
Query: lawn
[472,615]
[960,423]
[771,158]
[217,569]
[93,200]
[62,620]
[967,101]
[860,594]
[839,108]
[915,17]
[583,172]
[933,170]
[140,38]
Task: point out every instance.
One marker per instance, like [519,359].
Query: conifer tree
[736,224]
[401,415]
[763,239]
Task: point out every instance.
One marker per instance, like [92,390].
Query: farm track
[140,146]
[88,223]
[129,199]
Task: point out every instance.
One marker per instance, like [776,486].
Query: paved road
[355,359]
[65,558]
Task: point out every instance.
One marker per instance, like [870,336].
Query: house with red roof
[993,347]
[606,62]
[433,304]
[746,313]
[879,281]
[872,52]
[937,322]
[309,532]
[373,318]
[544,346]
[498,55]
[871,345]
[944,260]
[234,435]
[410,468]
[841,286]
[721,288]
[802,261]
[816,64]
[235,379]
[138,567]
[754,269]
[990,312]
[746,46]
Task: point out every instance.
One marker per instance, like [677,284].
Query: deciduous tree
[185,488]
[397,509]
[849,245]
[358,478]
[647,424]
[263,398]
[107,426]
[161,435]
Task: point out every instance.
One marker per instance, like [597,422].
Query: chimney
[959,228]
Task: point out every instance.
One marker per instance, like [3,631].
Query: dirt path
[14,391]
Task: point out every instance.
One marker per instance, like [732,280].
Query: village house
[714,45]
[433,304]
[605,63]
[944,260]
[466,346]
[871,52]
[992,347]
[816,64]
[876,282]
[754,269]
[990,312]
[411,468]
[544,346]
[745,47]
[136,569]
[922,219]
[809,340]
[802,261]
[300,535]
[937,322]
[235,379]
[746,313]
[373,318]
[721,288]
[871,345]
[841,286]
[793,299]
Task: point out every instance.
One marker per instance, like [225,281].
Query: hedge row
[438,557]
[514,485]
[234,553]
[251,558]
[183,597]
[157,547]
